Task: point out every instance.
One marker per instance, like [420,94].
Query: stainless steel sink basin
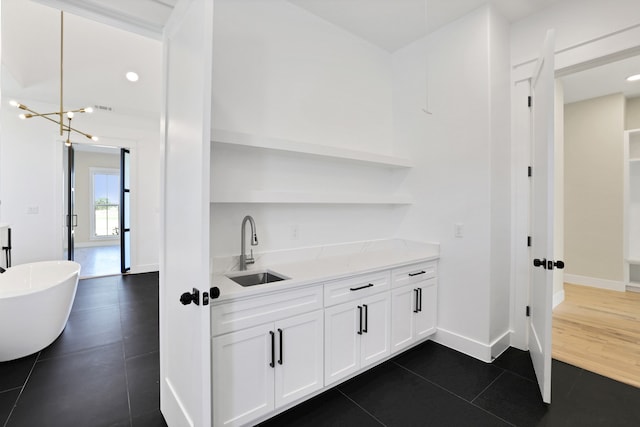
[257,278]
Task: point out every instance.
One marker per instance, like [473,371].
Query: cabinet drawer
[355,287]
[246,313]
[414,273]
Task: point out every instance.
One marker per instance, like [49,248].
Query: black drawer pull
[273,349]
[416,274]
[366,318]
[280,333]
[420,299]
[361,287]
[417,295]
[360,313]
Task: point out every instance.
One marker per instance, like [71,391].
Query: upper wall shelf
[220,136]
[280,197]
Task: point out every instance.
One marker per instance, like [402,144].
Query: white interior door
[541,298]
[185,353]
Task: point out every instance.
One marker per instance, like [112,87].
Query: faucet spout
[244,260]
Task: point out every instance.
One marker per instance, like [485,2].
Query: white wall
[463,170]
[594,135]
[632,120]
[282,72]
[31,174]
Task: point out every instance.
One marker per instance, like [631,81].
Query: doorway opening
[595,321]
[96,209]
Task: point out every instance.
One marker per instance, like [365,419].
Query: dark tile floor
[104,368]
[104,371]
[432,385]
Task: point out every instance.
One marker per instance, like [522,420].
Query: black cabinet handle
[280,336]
[415,310]
[273,349]
[416,274]
[360,314]
[366,318]
[361,287]
[420,299]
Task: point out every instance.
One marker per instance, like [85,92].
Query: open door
[542,256]
[185,352]
[125,218]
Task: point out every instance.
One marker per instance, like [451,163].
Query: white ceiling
[392,24]
[97,55]
[96,58]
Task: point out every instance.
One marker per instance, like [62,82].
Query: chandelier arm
[61,69]
[86,135]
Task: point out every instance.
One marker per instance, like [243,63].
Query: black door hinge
[529,241]
[529,171]
[529,101]
[528,311]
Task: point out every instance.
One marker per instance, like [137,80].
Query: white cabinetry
[261,368]
[272,351]
[632,209]
[357,332]
[413,304]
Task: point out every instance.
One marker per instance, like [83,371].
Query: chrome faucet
[254,242]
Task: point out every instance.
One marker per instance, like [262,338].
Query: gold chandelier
[60,120]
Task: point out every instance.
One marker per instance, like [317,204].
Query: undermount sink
[257,278]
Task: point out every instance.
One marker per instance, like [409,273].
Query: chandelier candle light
[70,113]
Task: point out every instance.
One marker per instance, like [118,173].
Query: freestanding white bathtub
[35,302]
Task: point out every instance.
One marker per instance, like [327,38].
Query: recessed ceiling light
[633,78]
[132,76]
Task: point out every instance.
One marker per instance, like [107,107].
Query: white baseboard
[594,282]
[558,297]
[500,345]
[144,268]
[471,347]
[97,243]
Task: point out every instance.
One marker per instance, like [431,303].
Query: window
[105,203]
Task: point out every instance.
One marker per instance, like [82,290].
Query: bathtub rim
[19,292]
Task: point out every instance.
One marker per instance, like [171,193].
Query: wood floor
[599,330]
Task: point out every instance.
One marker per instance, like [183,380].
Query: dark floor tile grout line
[135,356]
[488,386]
[124,360]
[6,423]
[361,408]
[126,382]
[454,394]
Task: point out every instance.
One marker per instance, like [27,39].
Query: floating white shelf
[634,261]
[220,136]
[634,160]
[308,198]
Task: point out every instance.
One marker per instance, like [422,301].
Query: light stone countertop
[321,265]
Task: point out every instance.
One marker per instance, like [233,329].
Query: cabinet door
[375,339]
[403,305]
[299,357]
[342,342]
[243,380]
[426,318]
